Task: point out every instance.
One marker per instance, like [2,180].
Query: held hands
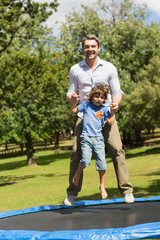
[73,98]
[114,107]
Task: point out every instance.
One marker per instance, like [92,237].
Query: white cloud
[153,5]
[66,6]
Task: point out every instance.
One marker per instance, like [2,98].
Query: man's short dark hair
[90,37]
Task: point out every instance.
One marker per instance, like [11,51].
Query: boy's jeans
[93,144]
[114,147]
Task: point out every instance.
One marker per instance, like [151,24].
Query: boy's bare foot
[76,179]
[103,192]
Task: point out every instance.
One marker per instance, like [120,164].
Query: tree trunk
[130,140]
[51,141]
[30,150]
[57,135]
[45,143]
[6,146]
[138,136]
[124,141]
[21,147]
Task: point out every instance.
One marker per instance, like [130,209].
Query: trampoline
[101,219]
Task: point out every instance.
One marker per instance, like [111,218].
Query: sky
[66,6]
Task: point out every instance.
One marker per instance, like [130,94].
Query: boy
[94,114]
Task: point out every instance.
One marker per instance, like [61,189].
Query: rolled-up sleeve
[73,85]
[114,82]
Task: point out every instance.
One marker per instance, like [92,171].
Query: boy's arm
[74,108]
[111,119]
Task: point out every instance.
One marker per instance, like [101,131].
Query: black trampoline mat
[89,217]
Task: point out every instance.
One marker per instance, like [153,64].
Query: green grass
[23,187]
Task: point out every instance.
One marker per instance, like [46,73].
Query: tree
[33,89]
[6,125]
[57,119]
[126,41]
[23,67]
[19,18]
[22,93]
[144,101]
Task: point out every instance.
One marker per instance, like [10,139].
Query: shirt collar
[83,63]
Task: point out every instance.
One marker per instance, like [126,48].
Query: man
[83,76]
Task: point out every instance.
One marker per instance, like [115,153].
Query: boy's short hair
[90,37]
[101,90]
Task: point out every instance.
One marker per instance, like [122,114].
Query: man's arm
[114,84]
[117,98]
[72,88]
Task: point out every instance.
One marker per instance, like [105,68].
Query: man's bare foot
[103,192]
[76,179]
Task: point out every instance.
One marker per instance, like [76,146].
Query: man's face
[90,49]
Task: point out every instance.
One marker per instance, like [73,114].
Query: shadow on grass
[10,180]
[45,160]
[40,160]
[13,165]
[112,193]
[153,173]
[53,175]
[152,190]
[143,152]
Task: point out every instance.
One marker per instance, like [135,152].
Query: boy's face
[98,99]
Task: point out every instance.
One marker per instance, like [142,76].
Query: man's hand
[73,98]
[114,106]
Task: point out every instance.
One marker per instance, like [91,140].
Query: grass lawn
[23,187]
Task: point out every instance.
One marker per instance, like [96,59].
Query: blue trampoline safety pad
[140,231]
[151,230]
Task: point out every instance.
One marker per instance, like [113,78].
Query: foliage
[34,67]
[35,95]
[130,44]
[144,102]
[24,67]
[18,20]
